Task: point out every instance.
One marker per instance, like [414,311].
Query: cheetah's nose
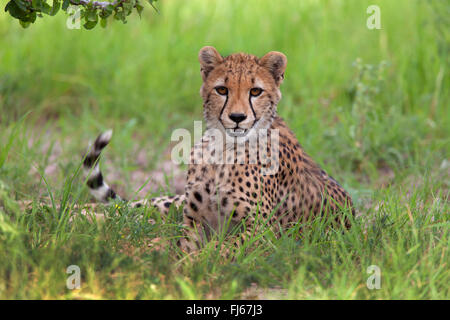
[238,117]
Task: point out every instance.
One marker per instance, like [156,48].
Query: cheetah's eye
[254,92]
[223,91]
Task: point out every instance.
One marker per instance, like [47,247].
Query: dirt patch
[256,293]
[166,177]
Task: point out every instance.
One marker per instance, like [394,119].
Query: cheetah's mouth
[237,132]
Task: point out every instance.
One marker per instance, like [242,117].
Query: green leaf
[91,15]
[139,9]
[45,8]
[90,25]
[65,4]
[55,8]
[120,15]
[31,17]
[151,3]
[109,8]
[24,24]
[15,11]
[127,6]
[106,12]
[103,22]
[22,4]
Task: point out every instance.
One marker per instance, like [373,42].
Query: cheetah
[240,95]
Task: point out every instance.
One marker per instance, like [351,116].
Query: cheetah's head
[240,92]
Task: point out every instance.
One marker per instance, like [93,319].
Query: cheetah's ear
[276,63]
[209,57]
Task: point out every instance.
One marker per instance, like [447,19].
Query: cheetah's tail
[97,186]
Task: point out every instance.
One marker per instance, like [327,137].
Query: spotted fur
[240,96]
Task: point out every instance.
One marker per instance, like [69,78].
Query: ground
[370,106]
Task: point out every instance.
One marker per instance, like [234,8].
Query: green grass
[371,106]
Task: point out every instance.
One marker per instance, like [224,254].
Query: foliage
[26,11]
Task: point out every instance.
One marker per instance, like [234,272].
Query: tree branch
[92,12]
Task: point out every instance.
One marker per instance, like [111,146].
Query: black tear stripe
[251,106]
[223,108]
